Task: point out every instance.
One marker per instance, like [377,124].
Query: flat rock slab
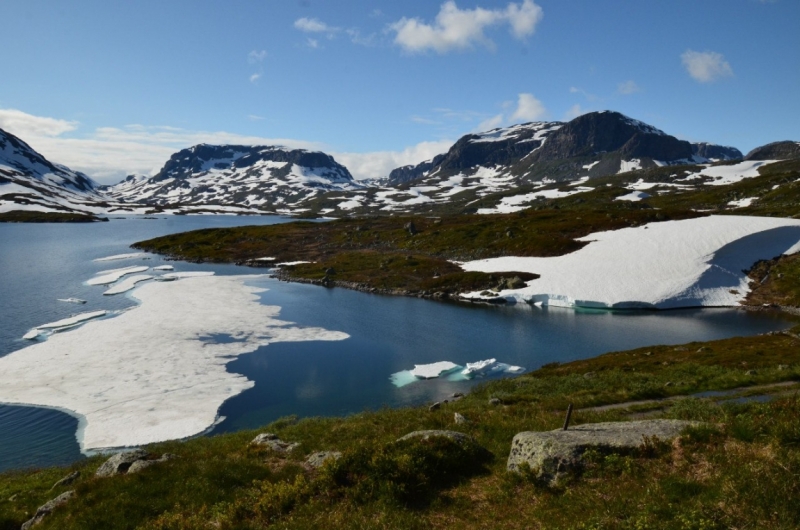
[550,453]
[120,463]
[47,509]
[316,460]
[457,437]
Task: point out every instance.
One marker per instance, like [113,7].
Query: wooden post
[569,415]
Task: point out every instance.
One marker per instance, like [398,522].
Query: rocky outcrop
[715,152]
[786,150]
[404,174]
[273,442]
[551,453]
[66,481]
[47,508]
[316,460]
[130,462]
[120,463]
[457,437]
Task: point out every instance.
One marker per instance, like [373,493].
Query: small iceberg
[489,366]
[110,276]
[164,268]
[430,371]
[127,284]
[120,256]
[71,300]
[165,278]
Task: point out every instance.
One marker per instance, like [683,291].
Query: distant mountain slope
[786,150]
[263,177]
[30,182]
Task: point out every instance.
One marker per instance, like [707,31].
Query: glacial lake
[42,262]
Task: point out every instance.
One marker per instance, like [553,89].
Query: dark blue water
[40,263]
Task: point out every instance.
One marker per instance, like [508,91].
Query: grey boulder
[316,460]
[120,463]
[273,442]
[47,508]
[550,453]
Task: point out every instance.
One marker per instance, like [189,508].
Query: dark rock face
[716,152]
[405,174]
[786,150]
[603,132]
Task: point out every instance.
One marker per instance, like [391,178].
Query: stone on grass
[120,463]
[551,453]
[143,464]
[435,406]
[316,460]
[273,442]
[457,437]
[66,481]
[459,419]
[47,508]
[495,402]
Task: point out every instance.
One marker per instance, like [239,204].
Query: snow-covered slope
[695,262]
[260,177]
[28,181]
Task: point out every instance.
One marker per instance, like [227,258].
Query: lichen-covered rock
[316,460]
[144,464]
[47,508]
[459,419]
[273,442]
[458,437]
[66,481]
[120,463]
[550,453]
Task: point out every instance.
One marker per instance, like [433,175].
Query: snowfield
[689,263]
[153,373]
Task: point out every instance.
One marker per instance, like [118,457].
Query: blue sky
[113,87]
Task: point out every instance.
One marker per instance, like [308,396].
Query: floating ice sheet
[429,371]
[150,373]
[164,268]
[110,276]
[128,283]
[187,274]
[121,256]
[71,300]
[63,323]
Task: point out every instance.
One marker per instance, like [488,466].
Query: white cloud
[528,109]
[627,88]
[589,96]
[313,25]
[256,56]
[24,125]
[312,43]
[380,163]
[573,112]
[707,66]
[459,29]
[490,123]
[255,77]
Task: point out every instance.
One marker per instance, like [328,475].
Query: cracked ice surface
[147,375]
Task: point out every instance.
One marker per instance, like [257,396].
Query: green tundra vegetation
[21,216]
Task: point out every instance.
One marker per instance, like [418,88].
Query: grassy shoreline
[223,482]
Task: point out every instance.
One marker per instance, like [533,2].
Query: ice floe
[128,283]
[72,300]
[63,323]
[688,263]
[121,256]
[186,274]
[489,366]
[110,276]
[151,373]
[164,268]
[429,371]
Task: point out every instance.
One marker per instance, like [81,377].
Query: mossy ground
[740,472]
[19,216]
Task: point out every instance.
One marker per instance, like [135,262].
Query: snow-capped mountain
[261,177]
[28,181]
